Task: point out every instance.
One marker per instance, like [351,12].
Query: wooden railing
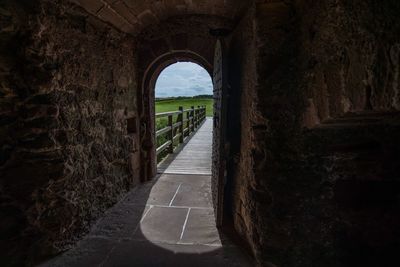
[186,123]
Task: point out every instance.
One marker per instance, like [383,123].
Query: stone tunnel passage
[312,135]
[167,222]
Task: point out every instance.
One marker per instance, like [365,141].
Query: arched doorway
[183,101]
[147,94]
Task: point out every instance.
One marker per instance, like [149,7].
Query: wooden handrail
[163,131]
[166,114]
[169,113]
[186,125]
[163,147]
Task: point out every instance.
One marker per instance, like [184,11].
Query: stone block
[108,15]
[121,8]
[92,6]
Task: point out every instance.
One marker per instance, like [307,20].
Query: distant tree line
[203,96]
[184,97]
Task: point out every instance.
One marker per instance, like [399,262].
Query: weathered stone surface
[322,196]
[65,148]
[140,14]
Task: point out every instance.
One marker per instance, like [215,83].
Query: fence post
[188,122]
[193,117]
[198,116]
[171,134]
[181,128]
[196,112]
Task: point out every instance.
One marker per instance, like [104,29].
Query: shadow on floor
[166,222]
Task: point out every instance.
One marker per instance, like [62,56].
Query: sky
[183,79]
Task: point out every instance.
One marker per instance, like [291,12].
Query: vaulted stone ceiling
[132,16]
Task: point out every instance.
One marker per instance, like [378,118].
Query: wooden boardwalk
[194,157]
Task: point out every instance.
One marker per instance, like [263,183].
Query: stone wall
[316,171]
[242,78]
[68,86]
[350,55]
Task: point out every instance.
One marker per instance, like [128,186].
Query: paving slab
[187,179]
[147,254]
[89,252]
[119,223]
[201,229]
[161,193]
[194,196]
[162,224]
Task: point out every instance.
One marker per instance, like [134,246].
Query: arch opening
[178,92]
[152,63]
[147,95]
[184,87]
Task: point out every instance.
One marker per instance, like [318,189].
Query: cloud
[197,88]
[183,79]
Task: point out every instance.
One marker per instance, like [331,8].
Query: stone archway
[178,38]
[190,38]
[148,97]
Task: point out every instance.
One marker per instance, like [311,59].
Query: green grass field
[174,104]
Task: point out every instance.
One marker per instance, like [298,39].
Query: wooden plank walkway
[194,157]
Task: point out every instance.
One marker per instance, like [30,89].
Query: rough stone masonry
[312,148]
[68,84]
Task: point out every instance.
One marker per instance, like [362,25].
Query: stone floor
[166,222]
